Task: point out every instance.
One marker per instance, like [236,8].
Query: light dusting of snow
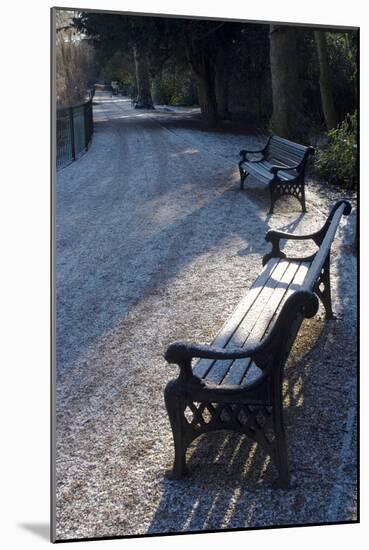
[156,242]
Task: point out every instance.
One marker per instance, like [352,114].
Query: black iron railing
[74,129]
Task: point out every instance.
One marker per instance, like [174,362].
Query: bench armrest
[274,237]
[182,353]
[275,168]
[179,352]
[295,166]
[245,152]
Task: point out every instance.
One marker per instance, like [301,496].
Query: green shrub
[337,161]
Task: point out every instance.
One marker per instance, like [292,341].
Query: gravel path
[155,242]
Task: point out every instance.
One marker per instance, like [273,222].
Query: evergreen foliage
[337,161]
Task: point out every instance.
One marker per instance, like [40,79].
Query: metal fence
[74,129]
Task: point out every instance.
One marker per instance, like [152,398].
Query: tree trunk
[144,99]
[193,93]
[156,89]
[221,84]
[287,99]
[203,69]
[207,100]
[329,110]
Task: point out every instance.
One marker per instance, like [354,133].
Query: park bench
[281,166]
[237,382]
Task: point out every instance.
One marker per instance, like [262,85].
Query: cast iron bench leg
[278,189]
[175,411]
[325,292]
[243,176]
[303,202]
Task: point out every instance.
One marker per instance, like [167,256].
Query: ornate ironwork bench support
[296,188]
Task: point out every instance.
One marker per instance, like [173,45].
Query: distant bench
[237,383]
[281,166]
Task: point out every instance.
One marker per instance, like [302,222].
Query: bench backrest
[287,323]
[324,249]
[285,152]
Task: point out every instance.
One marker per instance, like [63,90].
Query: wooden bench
[237,382]
[281,166]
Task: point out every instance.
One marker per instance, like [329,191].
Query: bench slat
[220,368]
[287,156]
[264,174]
[262,310]
[261,173]
[258,170]
[224,335]
[286,142]
[294,149]
[294,276]
[301,274]
[323,251]
[284,160]
[267,165]
[285,152]
[287,176]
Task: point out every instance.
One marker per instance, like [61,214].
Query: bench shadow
[106,266]
[226,467]
[84,316]
[290,227]
[91,317]
[216,461]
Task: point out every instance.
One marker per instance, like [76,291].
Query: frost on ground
[155,242]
